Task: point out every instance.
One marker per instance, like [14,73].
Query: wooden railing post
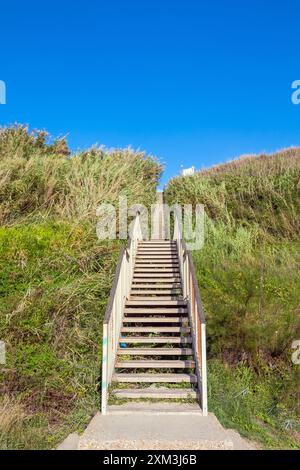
[104,369]
[204,370]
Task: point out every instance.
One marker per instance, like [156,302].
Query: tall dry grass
[39,179]
[260,190]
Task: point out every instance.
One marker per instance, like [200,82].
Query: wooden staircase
[155,344]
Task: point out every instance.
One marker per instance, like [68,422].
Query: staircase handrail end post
[114,287]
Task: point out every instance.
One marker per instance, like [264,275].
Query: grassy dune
[55,278]
[248,272]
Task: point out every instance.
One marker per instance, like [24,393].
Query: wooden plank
[155,378]
[154,320]
[157,242]
[158,251]
[151,393]
[157,303]
[161,259]
[157,276]
[154,271]
[155,351]
[155,364]
[155,291]
[155,329]
[151,285]
[155,311]
[155,340]
[155,297]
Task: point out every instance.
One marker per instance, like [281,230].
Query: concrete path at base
[159,432]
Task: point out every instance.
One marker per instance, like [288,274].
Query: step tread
[152,265]
[151,255]
[156,310]
[159,256]
[163,393]
[151,285]
[159,262]
[156,340]
[155,291]
[164,297]
[155,329]
[157,273]
[154,320]
[155,241]
[156,351]
[156,251]
[156,364]
[154,378]
[150,302]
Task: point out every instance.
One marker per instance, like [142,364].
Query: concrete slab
[156,431]
[158,408]
[70,443]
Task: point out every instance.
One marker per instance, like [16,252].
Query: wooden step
[158,251]
[155,364]
[157,259]
[154,295]
[155,351]
[157,245]
[170,297]
[154,378]
[155,292]
[154,320]
[157,248]
[156,270]
[157,242]
[149,302]
[158,393]
[157,255]
[154,266]
[154,286]
[156,276]
[149,291]
[155,329]
[155,340]
[156,311]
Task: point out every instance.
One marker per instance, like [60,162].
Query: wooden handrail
[109,307]
[115,309]
[196,313]
[196,287]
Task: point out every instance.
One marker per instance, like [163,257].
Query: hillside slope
[55,279]
[248,272]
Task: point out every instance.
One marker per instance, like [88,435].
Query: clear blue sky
[193,82]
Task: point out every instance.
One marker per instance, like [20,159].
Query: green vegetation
[249,278]
[55,279]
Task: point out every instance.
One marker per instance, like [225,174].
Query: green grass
[55,287]
[253,404]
